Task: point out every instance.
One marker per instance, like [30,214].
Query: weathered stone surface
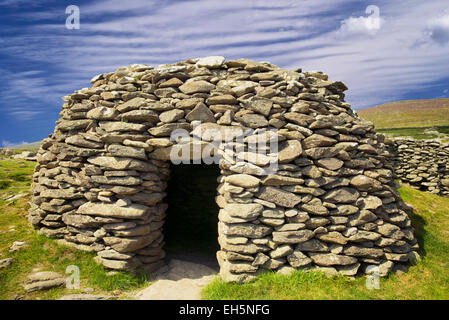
[330,259]
[342,195]
[292,236]
[289,151]
[365,183]
[222,99]
[141,115]
[171,115]
[211,62]
[262,106]
[246,211]
[173,82]
[103,113]
[43,280]
[332,237]
[313,245]
[166,129]
[330,163]
[132,104]
[123,265]
[112,254]
[119,163]
[281,251]
[68,125]
[277,180]
[201,113]
[358,251]
[116,126]
[134,211]
[279,197]
[191,87]
[315,207]
[117,150]
[253,120]
[247,168]
[125,245]
[245,230]
[243,180]
[317,140]
[298,259]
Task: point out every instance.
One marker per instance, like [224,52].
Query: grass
[418,133]
[409,113]
[42,253]
[15,175]
[429,279]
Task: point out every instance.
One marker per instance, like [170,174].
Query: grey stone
[279,197]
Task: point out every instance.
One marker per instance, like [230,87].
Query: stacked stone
[423,164]
[332,203]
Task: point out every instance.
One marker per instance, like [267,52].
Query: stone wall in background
[423,164]
[331,203]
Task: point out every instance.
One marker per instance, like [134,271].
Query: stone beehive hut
[331,202]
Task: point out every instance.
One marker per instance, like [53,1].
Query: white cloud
[363,25]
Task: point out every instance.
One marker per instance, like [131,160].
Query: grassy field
[418,133]
[43,254]
[429,279]
[408,114]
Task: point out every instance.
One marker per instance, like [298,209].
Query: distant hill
[408,114]
[34,145]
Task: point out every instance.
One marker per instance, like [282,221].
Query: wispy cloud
[374,54]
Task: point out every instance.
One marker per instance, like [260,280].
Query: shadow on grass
[419,223]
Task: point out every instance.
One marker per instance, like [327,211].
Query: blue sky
[400,51]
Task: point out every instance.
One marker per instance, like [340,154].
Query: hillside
[28,146]
[408,114]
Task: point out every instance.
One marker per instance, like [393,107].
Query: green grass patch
[4,184]
[44,254]
[15,176]
[418,133]
[429,279]
[407,114]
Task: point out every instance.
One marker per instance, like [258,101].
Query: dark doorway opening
[191,225]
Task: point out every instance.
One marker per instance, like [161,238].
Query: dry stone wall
[325,198]
[423,164]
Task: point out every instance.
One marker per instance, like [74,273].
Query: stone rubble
[43,280]
[6,262]
[332,203]
[16,246]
